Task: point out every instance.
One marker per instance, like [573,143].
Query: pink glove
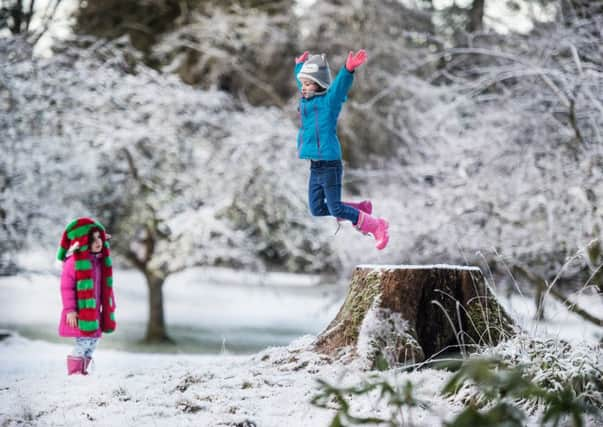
[355,60]
[302,57]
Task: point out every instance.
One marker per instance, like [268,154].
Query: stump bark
[407,314]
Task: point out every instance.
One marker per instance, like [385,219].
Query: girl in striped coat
[86,290]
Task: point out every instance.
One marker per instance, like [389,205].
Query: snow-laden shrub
[505,391]
[492,147]
[546,369]
[245,51]
[499,165]
[268,200]
[274,223]
[520,380]
[397,398]
[92,134]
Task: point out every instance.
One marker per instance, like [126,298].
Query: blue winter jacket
[317,137]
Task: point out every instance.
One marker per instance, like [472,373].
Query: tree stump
[407,314]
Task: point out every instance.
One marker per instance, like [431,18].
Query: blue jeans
[324,191]
[84,347]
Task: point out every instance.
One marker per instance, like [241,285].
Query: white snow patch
[271,388]
[418,267]
[381,330]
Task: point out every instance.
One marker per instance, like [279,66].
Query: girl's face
[308,87]
[96,243]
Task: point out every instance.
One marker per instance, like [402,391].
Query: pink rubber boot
[365,206]
[75,365]
[87,361]
[378,227]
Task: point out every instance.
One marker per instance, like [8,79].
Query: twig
[573,307]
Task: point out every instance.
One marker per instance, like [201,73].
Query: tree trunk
[539,302]
[476,16]
[594,253]
[156,329]
[16,13]
[406,314]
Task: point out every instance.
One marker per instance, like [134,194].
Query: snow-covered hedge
[502,161]
[93,132]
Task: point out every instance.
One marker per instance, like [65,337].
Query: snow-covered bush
[550,364]
[498,150]
[398,397]
[396,36]
[539,375]
[520,379]
[495,153]
[245,50]
[93,133]
[36,167]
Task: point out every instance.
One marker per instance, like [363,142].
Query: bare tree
[476,16]
[142,238]
[17,16]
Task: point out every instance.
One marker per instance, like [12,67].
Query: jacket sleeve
[338,91]
[296,71]
[68,285]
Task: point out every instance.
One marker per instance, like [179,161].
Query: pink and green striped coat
[89,323]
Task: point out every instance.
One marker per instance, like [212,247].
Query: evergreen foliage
[503,392]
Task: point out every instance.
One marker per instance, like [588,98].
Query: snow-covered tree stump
[406,314]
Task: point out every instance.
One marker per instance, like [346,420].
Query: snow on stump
[407,314]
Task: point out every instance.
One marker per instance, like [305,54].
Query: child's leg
[80,347]
[366,206]
[84,347]
[92,343]
[332,189]
[316,194]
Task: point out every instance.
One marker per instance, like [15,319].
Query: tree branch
[47,19]
[541,284]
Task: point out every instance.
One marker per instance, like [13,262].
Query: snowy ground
[271,387]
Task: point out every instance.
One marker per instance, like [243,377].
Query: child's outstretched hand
[72,319]
[302,58]
[355,60]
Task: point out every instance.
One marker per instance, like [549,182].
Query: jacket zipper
[317,129]
[301,110]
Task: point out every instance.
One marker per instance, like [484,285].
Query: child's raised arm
[338,91]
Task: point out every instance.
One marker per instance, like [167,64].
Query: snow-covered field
[270,387]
